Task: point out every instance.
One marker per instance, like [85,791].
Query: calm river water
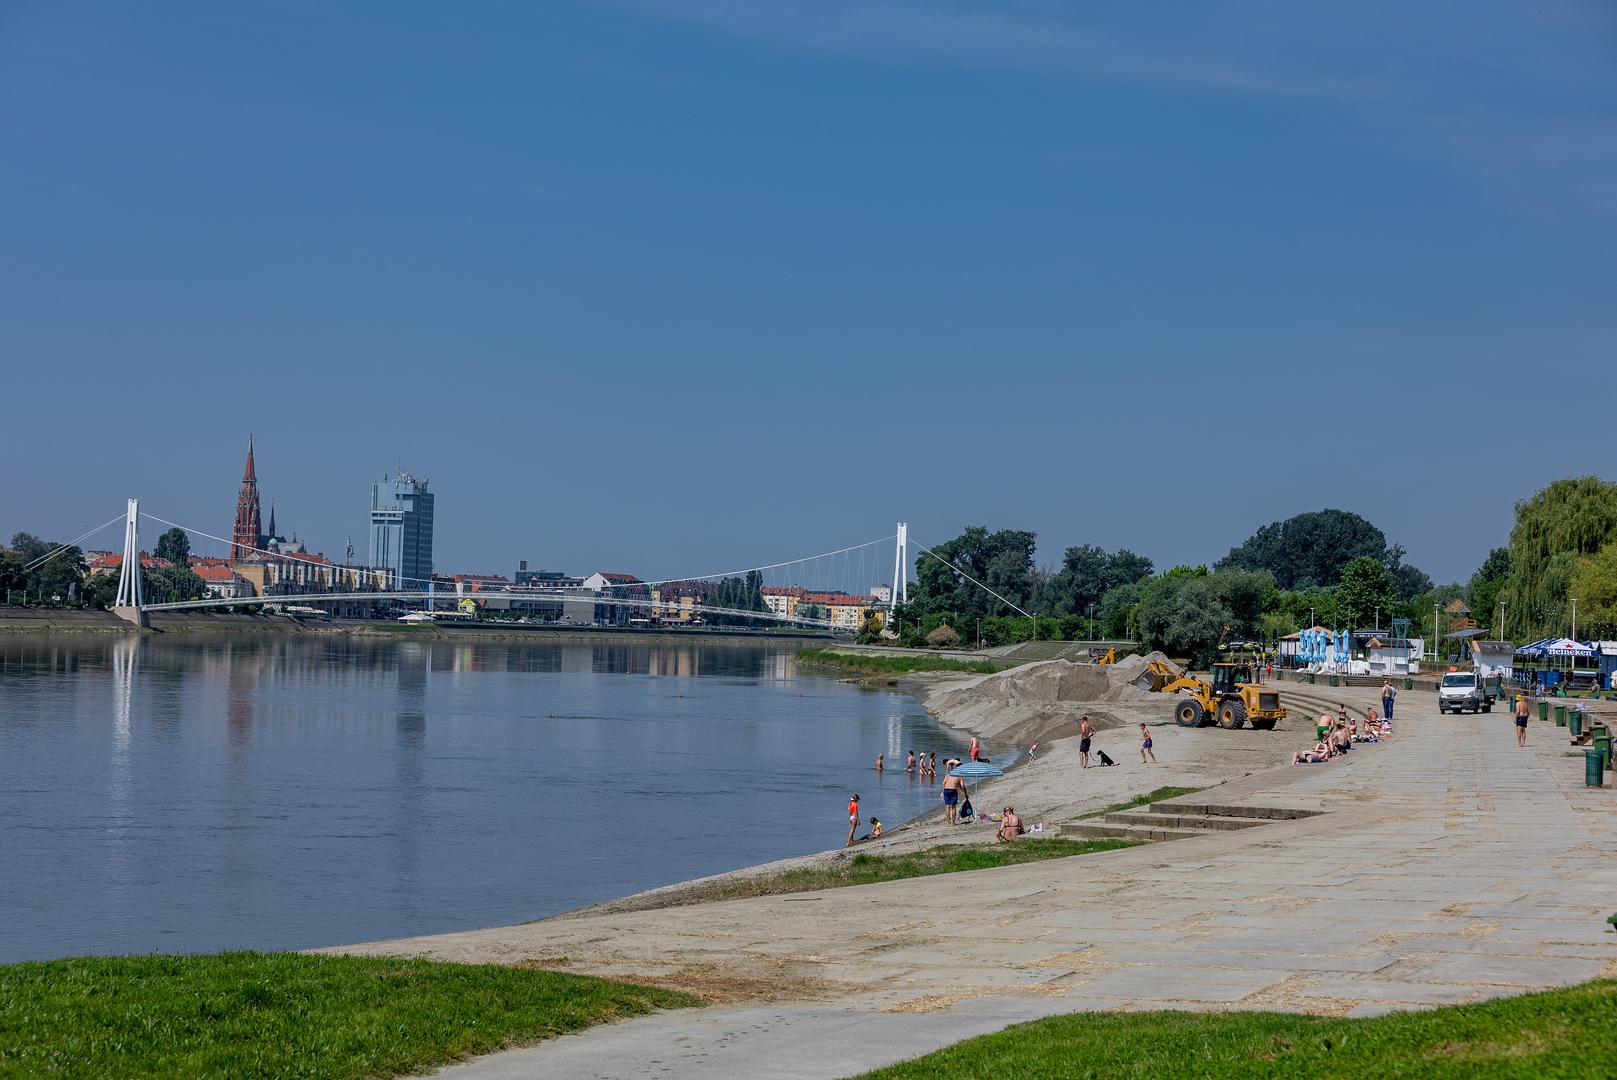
[288,792]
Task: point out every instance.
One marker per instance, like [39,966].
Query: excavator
[1107,657]
[1226,701]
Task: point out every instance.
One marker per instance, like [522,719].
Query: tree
[870,629]
[170,584]
[1568,520]
[1482,591]
[101,590]
[1117,608]
[1183,617]
[1365,587]
[1001,560]
[13,578]
[1087,573]
[1308,549]
[175,546]
[1242,592]
[943,637]
[1594,583]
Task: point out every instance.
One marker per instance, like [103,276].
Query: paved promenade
[1448,866]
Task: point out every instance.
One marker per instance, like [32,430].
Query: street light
[1574,618]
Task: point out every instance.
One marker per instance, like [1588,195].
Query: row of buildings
[263,564]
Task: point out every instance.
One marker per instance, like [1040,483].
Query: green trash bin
[1409,684]
[1603,744]
[1310,678]
[1560,716]
[1593,769]
[1333,680]
[1543,710]
[1574,722]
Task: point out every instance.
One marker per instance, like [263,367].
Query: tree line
[1327,567]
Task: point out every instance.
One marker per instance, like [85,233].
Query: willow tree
[1567,521]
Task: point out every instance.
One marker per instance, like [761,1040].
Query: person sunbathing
[1010,826]
[1320,752]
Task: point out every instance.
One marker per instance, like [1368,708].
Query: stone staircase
[1179,820]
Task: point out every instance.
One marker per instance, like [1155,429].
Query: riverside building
[401,529]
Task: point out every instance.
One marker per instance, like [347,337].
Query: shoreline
[66,622]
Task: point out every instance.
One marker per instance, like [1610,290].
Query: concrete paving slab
[1488,970]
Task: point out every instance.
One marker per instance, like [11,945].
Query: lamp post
[1501,620]
[1574,618]
[1091,618]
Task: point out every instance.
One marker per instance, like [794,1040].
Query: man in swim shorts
[1086,731]
[1521,720]
[951,796]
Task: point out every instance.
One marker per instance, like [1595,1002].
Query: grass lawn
[1556,1034]
[898,663]
[865,869]
[1144,800]
[248,1014]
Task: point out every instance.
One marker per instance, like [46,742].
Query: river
[196,794]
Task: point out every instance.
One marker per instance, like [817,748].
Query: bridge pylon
[128,605]
[901,568]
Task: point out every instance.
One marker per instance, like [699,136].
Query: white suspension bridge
[826,574]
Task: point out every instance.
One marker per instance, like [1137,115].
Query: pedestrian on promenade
[853,819]
[1145,746]
[1388,692]
[1086,731]
[1521,720]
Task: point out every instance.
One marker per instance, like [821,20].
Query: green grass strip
[866,869]
[1555,1034]
[250,1014]
[1144,800]
[897,663]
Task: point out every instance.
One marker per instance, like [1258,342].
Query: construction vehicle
[1226,701]
[1107,657]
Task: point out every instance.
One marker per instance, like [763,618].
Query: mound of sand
[1043,701]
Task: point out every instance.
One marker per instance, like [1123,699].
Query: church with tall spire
[247,536]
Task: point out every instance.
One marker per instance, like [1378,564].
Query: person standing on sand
[1388,692]
[1086,731]
[951,796]
[975,749]
[853,819]
[1145,746]
[1521,720]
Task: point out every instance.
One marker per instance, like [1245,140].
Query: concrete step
[1100,829]
[1260,813]
[1216,823]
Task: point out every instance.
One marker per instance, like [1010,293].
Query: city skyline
[676,277]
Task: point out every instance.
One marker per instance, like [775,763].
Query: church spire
[245,535]
[271,530]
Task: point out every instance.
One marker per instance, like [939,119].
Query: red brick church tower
[247,534]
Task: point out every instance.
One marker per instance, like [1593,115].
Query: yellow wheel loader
[1226,701]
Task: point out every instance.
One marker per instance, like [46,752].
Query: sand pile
[1043,701]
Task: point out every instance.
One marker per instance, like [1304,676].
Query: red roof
[771,590]
[209,572]
[626,578]
[837,598]
[116,561]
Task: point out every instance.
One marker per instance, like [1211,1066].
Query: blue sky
[675,287]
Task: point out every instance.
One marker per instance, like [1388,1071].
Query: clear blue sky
[673,287]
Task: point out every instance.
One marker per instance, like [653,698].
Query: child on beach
[1145,746]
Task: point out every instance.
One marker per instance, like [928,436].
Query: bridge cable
[48,556]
